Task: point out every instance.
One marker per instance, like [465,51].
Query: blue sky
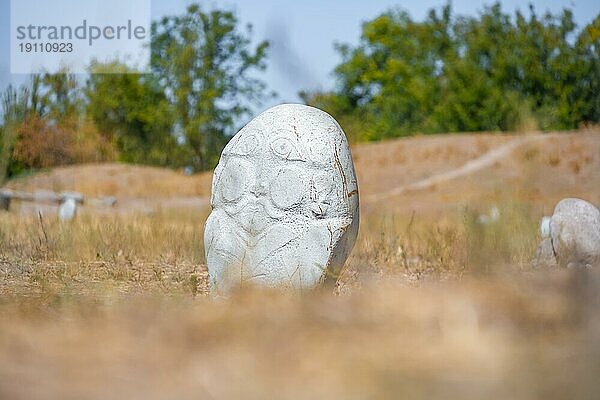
[302,33]
[86,19]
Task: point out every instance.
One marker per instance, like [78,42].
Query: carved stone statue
[284,203]
[572,235]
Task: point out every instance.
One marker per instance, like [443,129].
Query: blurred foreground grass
[116,307]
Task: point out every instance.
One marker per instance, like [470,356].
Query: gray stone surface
[67,209]
[284,203]
[573,234]
[544,255]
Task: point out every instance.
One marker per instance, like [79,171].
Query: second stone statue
[284,203]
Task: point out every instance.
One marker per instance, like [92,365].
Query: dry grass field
[432,304]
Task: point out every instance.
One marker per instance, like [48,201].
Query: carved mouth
[254,218]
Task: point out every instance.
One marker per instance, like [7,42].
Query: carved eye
[235,179]
[285,148]
[245,145]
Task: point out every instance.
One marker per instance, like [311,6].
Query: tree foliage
[205,64]
[43,125]
[455,73]
[16,106]
[133,113]
[200,88]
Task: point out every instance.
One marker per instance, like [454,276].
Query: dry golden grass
[432,304]
[533,337]
[117,308]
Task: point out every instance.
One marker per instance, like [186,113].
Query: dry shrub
[44,143]
[41,144]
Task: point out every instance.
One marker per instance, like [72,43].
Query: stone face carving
[284,203]
[572,235]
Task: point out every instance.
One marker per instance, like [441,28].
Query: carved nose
[258,189]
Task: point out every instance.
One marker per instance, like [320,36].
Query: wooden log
[16,195]
[47,196]
[4,200]
[44,196]
[78,197]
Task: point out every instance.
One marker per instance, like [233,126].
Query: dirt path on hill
[484,161]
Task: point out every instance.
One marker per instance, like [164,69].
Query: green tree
[451,73]
[44,125]
[205,64]
[133,112]
[17,106]
[61,97]
[587,71]
[391,79]
[482,83]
